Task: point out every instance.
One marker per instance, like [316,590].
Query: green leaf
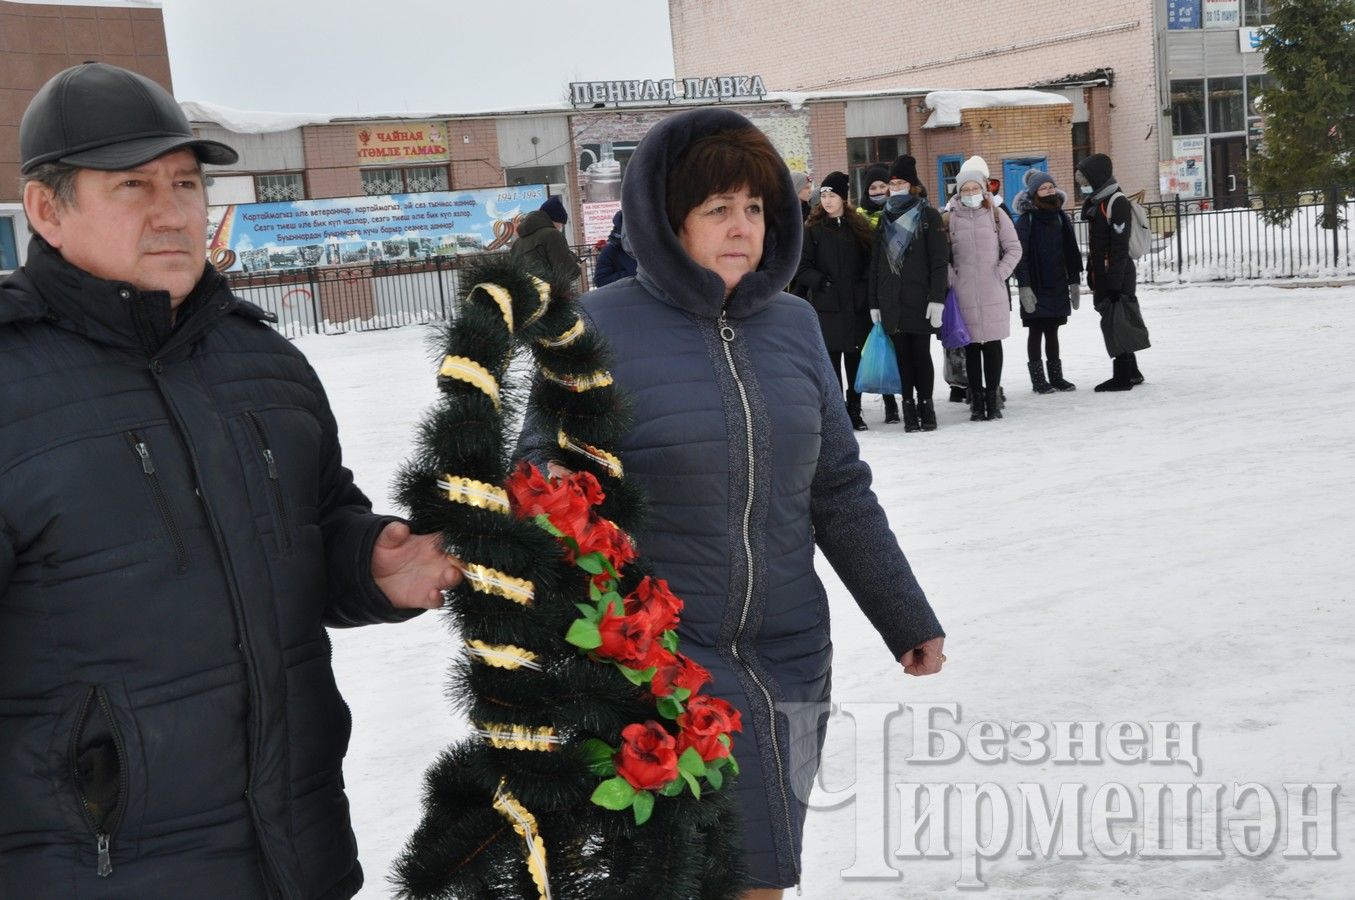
[682,695]
[584,635]
[594,592]
[724,739]
[643,806]
[672,788]
[634,677]
[614,793]
[715,777]
[599,757]
[691,783]
[594,563]
[691,763]
[669,640]
[618,606]
[669,708]
[589,612]
[544,521]
[733,766]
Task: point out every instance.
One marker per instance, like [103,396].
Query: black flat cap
[97,116]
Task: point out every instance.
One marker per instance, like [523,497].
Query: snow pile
[249,121]
[1178,552]
[946,105]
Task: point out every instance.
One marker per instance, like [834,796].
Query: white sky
[341,57]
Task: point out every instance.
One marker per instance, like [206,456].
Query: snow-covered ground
[1181,552]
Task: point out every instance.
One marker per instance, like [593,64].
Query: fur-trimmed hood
[665,269]
[1023,203]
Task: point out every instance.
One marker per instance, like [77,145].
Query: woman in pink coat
[984,250]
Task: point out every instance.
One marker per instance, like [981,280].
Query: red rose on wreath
[627,639]
[680,673]
[702,723]
[564,502]
[602,536]
[647,758]
[653,597]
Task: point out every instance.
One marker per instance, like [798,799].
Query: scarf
[1107,189]
[902,216]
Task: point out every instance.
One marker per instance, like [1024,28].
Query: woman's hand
[924,659]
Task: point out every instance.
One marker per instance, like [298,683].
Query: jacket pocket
[99,772]
[143,454]
[277,504]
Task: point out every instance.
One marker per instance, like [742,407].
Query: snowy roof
[946,105]
[243,121]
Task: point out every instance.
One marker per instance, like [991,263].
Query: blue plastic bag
[954,332]
[879,370]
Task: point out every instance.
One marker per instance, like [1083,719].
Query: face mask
[1086,189]
[901,192]
[973,201]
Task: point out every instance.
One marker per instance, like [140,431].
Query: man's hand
[925,658]
[411,569]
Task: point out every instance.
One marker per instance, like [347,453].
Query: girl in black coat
[907,292]
[832,276]
[1048,275]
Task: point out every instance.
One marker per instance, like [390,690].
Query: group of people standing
[894,259]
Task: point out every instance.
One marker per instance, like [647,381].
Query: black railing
[1261,236]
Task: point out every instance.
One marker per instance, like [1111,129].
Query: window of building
[1257,85]
[1082,142]
[519,175]
[9,250]
[862,153]
[1256,13]
[1188,107]
[280,187]
[417,180]
[1226,110]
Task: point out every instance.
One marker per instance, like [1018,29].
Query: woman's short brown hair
[723,162]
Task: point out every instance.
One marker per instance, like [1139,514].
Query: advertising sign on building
[401,142]
[1183,175]
[1183,14]
[597,220]
[1222,13]
[665,90]
[1249,39]
[261,237]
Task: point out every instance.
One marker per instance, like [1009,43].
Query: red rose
[587,484]
[647,758]
[627,639]
[702,723]
[562,501]
[602,536]
[680,673]
[653,597]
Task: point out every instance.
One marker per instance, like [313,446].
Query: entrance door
[1014,175]
[1227,161]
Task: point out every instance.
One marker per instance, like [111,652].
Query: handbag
[954,332]
[879,369]
[1122,326]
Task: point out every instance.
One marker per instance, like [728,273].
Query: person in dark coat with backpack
[907,287]
[743,447]
[177,529]
[1111,272]
[615,261]
[1048,276]
[832,272]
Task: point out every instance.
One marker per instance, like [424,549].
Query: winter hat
[978,163]
[837,183]
[969,172]
[1034,178]
[905,167]
[798,179]
[877,172]
[555,209]
[1096,169]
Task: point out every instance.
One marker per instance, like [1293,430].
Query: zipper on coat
[143,452]
[279,508]
[727,336]
[103,831]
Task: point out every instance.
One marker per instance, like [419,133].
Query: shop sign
[666,90]
[1222,14]
[403,142]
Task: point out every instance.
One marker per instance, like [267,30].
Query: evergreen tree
[1310,107]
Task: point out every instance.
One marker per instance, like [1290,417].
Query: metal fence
[1193,240]
[1196,240]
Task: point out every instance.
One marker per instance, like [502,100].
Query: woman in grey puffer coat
[743,446]
[984,251]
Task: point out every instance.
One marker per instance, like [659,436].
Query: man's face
[146,226]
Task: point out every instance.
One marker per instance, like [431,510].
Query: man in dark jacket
[615,261]
[541,243]
[176,529]
[1110,270]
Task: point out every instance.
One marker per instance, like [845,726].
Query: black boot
[1038,384]
[926,413]
[1056,377]
[891,409]
[1119,381]
[854,411]
[994,410]
[1132,367]
[977,411]
[958,395]
[910,420]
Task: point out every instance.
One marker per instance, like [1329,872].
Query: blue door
[947,167]
[1014,174]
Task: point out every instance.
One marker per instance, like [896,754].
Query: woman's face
[898,186]
[724,233]
[971,189]
[832,204]
[1046,190]
[878,189]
